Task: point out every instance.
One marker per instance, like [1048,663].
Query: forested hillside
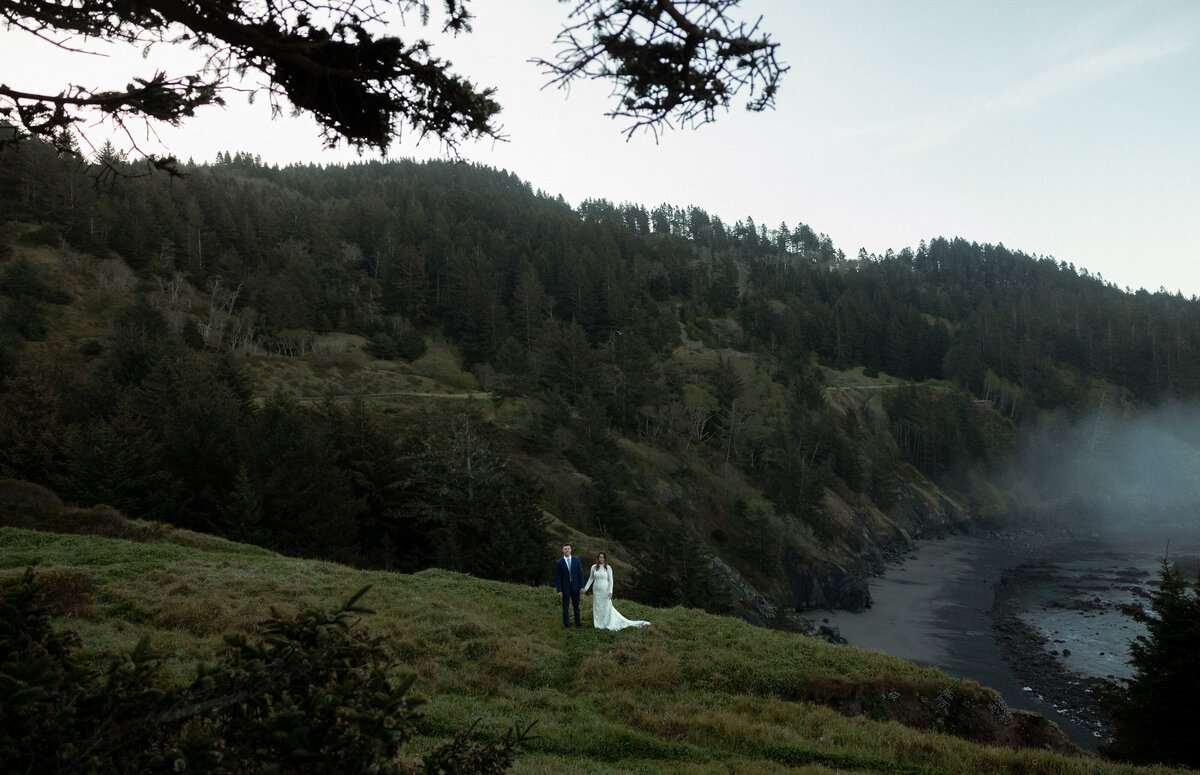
[402,365]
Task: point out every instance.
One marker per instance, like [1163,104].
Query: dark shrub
[314,694]
[27,496]
[42,235]
[410,344]
[22,280]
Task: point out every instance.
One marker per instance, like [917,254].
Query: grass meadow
[692,693]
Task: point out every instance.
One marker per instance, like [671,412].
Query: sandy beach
[1029,615]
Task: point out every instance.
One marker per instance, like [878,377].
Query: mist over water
[1117,474]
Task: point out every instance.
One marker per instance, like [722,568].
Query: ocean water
[1078,608]
[935,608]
[1078,611]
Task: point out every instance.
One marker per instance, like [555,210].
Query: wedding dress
[604,615]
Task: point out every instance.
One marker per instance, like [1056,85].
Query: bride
[600,582]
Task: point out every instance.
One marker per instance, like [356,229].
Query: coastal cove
[1033,616]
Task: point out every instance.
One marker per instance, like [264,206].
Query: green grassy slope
[693,693]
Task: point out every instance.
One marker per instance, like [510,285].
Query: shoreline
[1073,667]
[1033,614]
[1031,655]
[981,606]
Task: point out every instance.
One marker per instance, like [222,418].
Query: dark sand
[959,604]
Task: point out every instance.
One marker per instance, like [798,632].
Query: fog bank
[1116,473]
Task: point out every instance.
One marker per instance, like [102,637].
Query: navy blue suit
[568,579]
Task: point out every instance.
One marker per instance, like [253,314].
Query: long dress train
[604,615]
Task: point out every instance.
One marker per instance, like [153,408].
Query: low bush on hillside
[407,345]
[313,693]
[42,235]
[33,507]
[27,498]
[21,279]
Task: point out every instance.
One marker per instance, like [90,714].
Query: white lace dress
[604,616]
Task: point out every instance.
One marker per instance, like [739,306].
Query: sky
[1061,128]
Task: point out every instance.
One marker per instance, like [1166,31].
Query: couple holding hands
[568,580]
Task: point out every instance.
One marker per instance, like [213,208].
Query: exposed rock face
[823,584]
[754,607]
[973,714]
[920,514]
[839,580]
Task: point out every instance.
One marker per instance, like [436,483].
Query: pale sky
[1058,127]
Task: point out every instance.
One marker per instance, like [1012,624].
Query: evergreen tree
[670,63]
[117,463]
[30,432]
[1154,713]
[463,507]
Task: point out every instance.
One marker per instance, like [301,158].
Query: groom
[568,580]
